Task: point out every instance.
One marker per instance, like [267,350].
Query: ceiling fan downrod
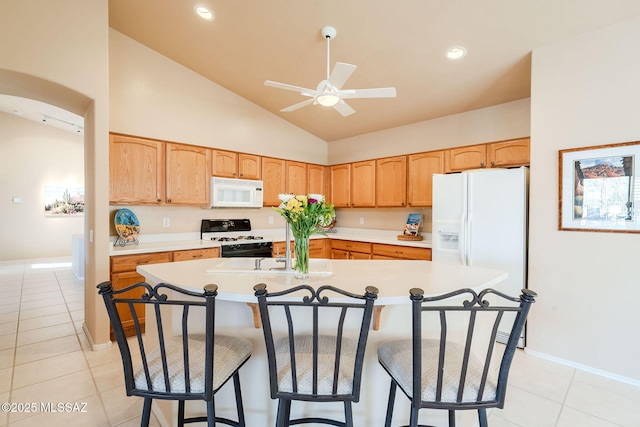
[328,33]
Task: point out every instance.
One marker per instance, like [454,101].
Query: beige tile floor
[45,358]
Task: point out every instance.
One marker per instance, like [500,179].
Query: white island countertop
[393,278]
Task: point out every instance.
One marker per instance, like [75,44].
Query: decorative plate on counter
[127,225]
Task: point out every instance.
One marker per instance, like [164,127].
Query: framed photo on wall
[600,188]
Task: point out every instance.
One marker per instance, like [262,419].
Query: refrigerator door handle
[463,239]
[467,248]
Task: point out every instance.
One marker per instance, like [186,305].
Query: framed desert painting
[599,188]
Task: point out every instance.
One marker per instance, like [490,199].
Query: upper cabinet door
[136,170]
[188,175]
[341,185]
[464,158]
[317,180]
[249,166]
[274,180]
[225,163]
[391,181]
[296,178]
[508,153]
[421,168]
[363,184]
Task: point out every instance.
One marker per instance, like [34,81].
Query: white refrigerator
[480,219]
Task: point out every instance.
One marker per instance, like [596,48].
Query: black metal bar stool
[184,366]
[438,370]
[317,358]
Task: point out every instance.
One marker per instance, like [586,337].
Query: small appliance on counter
[235,237]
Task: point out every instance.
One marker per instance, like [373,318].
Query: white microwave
[236,193]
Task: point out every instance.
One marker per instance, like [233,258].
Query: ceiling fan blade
[298,105]
[288,87]
[341,72]
[378,92]
[344,108]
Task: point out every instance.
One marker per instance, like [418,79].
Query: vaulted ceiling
[398,43]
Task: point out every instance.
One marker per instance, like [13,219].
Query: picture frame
[599,188]
[63,201]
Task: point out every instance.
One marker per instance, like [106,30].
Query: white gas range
[235,237]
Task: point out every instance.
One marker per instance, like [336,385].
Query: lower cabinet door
[121,281]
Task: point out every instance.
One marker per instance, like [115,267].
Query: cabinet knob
[482,164]
[169,200]
[159,200]
[493,163]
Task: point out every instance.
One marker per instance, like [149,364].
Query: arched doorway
[96,187]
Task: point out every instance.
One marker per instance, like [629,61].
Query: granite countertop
[185,241]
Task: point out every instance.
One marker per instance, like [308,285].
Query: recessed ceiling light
[205,13]
[455,52]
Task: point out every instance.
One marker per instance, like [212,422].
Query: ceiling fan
[329,92]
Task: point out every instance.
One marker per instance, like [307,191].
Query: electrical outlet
[270,219]
[361,220]
[166,222]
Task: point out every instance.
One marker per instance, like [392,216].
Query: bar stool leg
[392,398]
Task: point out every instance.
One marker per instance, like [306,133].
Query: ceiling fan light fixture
[328,99]
[456,52]
[204,13]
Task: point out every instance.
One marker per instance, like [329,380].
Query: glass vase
[301,252]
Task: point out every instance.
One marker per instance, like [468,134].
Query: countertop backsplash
[186,219]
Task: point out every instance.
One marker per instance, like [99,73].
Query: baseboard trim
[93,345]
[585,368]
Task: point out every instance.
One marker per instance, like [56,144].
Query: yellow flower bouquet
[305,214]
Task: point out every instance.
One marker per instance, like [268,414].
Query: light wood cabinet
[383,251]
[464,158]
[188,175]
[391,182]
[349,249]
[274,180]
[249,166]
[191,254]
[508,153]
[318,248]
[363,184]
[318,179]
[224,163]
[123,274]
[296,177]
[230,164]
[341,185]
[136,170]
[147,171]
[420,170]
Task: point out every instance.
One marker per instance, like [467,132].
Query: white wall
[504,121]
[153,96]
[585,92]
[35,155]
[57,52]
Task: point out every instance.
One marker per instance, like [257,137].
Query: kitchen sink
[317,266]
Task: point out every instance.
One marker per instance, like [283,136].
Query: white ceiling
[41,112]
[397,43]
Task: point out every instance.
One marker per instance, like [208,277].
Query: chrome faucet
[258,261]
[287,258]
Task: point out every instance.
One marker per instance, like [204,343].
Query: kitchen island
[233,317]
